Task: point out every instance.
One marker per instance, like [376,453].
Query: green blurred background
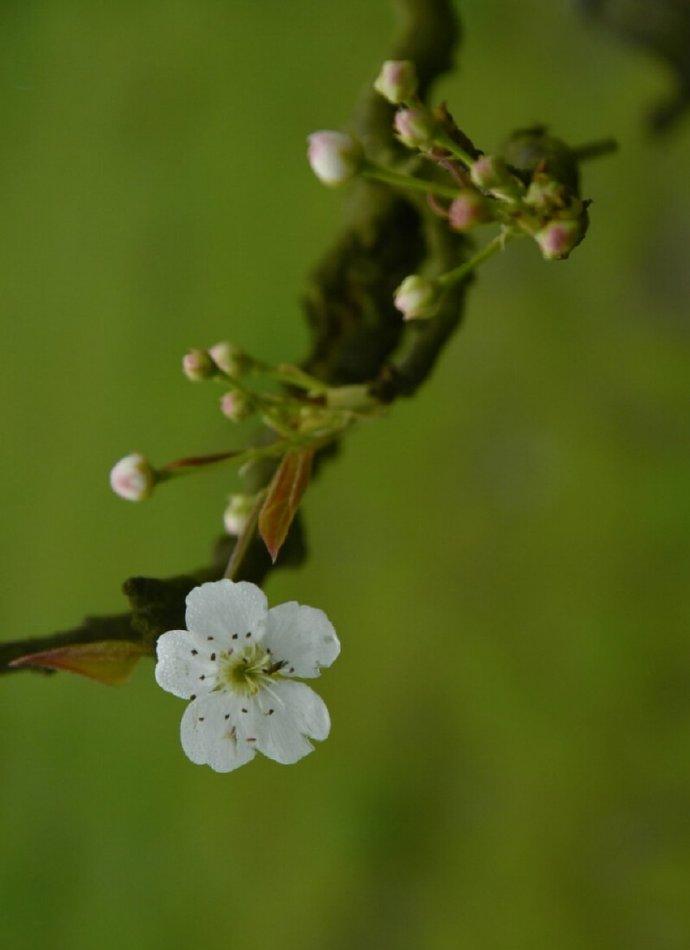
[505,557]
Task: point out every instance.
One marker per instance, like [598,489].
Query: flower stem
[457,274]
[446,142]
[398,180]
[244,541]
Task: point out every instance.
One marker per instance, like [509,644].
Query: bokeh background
[505,557]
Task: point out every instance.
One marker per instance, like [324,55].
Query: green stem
[457,274]
[245,539]
[446,142]
[398,180]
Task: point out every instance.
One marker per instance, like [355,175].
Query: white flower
[237,664]
[133,477]
[335,157]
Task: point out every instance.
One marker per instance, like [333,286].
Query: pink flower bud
[491,174]
[416,297]
[468,210]
[334,157]
[397,81]
[557,239]
[228,358]
[198,365]
[236,515]
[133,478]
[235,406]
[415,127]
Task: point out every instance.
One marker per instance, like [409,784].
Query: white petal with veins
[184,666]
[220,609]
[208,732]
[301,636]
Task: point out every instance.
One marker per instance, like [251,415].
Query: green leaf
[282,500]
[108,661]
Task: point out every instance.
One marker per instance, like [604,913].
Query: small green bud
[416,297]
[197,365]
[236,515]
[544,193]
[416,127]
[230,359]
[468,210]
[491,174]
[236,406]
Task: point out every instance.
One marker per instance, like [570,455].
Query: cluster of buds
[483,189]
[224,359]
[304,414]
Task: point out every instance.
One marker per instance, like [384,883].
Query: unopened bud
[468,210]
[397,81]
[133,477]
[335,157]
[235,405]
[491,174]
[416,297]
[228,358]
[416,127]
[557,239]
[198,365]
[546,194]
[236,515]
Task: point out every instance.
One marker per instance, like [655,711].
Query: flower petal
[302,637]
[209,733]
[220,609]
[284,720]
[184,666]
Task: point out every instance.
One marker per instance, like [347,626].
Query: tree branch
[357,333]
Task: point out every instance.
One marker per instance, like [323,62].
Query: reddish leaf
[108,661]
[282,501]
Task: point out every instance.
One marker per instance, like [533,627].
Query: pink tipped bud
[198,365]
[557,239]
[228,358]
[416,127]
[397,81]
[468,210]
[133,478]
[236,515]
[235,406]
[416,297]
[334,157]
[491,174]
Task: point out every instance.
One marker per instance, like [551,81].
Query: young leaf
[108,661]
[282,501]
